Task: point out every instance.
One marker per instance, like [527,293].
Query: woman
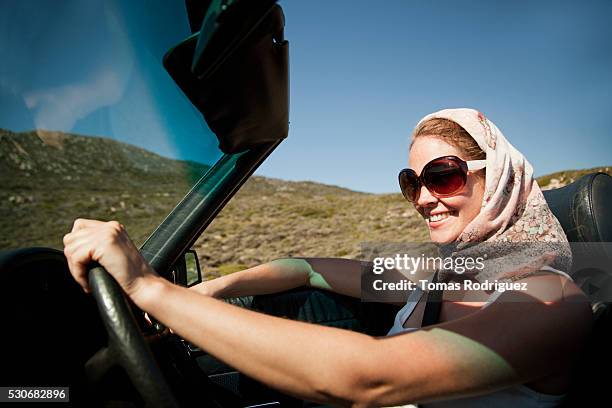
[515,350]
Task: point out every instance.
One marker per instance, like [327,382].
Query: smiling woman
[484,206]
[465,360]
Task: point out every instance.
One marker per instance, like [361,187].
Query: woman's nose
[425,198]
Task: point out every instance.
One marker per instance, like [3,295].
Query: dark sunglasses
[443,177]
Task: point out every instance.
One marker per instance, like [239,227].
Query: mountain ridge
[50,178]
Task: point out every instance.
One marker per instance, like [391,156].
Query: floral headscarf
[515,226]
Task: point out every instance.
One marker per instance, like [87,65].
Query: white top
[511,397]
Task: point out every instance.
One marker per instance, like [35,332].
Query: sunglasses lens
[409,184]
[445,177]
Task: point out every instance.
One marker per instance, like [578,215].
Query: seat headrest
[583,208]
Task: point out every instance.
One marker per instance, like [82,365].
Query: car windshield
[91,124]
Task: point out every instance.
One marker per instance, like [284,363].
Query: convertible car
[211,77]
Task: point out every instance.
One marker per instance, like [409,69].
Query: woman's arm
[517,339]
[336,274]
[468,356]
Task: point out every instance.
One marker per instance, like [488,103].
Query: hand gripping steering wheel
[126,345]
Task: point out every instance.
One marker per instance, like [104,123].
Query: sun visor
[235,71]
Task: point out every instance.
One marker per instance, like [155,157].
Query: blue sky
[95,68]
[362,74]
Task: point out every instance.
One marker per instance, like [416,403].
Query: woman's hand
[108,244]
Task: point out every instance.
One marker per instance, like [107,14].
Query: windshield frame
[186,222]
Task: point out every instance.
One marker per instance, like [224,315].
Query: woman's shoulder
[545,304]
[552,286]
[552,305]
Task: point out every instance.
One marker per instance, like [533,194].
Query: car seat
[583,209]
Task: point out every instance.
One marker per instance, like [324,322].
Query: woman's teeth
[440,216]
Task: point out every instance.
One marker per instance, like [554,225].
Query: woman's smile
[439,219]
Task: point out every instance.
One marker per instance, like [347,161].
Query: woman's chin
[439,237]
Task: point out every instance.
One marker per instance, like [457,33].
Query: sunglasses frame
[464,166]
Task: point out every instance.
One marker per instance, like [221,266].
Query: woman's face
[456,211]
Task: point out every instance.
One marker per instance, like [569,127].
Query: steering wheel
[126,345]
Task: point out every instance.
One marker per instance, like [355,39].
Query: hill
[562,178]
[50,178]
